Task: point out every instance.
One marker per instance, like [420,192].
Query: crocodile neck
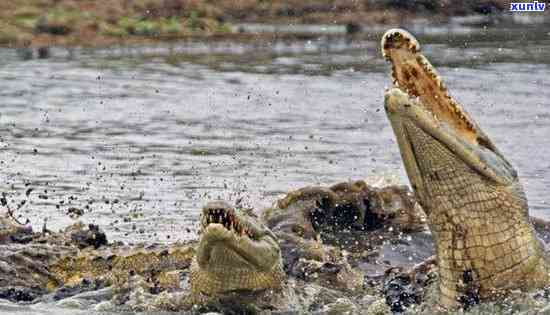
[484,241]
[476,207]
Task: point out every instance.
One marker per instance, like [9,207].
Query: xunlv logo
[534,6]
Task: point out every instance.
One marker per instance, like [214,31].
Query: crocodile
[296,247]
[475,204]
[235,252]
[292,256]
[239,250]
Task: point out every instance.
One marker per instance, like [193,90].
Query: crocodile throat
[476,207]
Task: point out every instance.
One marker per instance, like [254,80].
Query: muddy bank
[100,23]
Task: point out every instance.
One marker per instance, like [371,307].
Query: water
[140,138]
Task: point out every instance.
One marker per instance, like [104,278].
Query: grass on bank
[93,22]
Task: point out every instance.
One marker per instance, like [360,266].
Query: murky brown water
[140,138]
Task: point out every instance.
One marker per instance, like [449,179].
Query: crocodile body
[475,205]
[235,253]
[114,265]
[292,257]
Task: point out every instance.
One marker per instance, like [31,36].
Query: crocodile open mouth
[232,238]
[414,74]
[227,218]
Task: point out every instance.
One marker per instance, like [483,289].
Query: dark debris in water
[21,294]
[471,296]
[400,292]
[405,289]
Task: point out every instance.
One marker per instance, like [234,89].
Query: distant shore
[103,23]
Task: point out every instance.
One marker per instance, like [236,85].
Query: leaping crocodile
[296,255]
[475,204]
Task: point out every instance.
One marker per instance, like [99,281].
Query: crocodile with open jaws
[302,254]
[475,205]
[243,262]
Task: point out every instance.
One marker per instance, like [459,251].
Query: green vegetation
[59,21]
[96,22]
[100,22]
[142,27]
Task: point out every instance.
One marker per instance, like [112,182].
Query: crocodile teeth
[395,38]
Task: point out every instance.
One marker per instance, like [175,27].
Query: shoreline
[69,23]
[260,37]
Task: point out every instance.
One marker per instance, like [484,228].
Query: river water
[140,138]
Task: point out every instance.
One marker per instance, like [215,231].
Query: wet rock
[95,296]
[73,303]
[26,266]
[12,232]
[87,236]
[84,286]
[20,294]
[22,236]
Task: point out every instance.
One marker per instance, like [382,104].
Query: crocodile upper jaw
[420,101]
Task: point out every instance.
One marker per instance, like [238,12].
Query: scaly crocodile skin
[224,279]
[235,252]
[116,265]
[476,207]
